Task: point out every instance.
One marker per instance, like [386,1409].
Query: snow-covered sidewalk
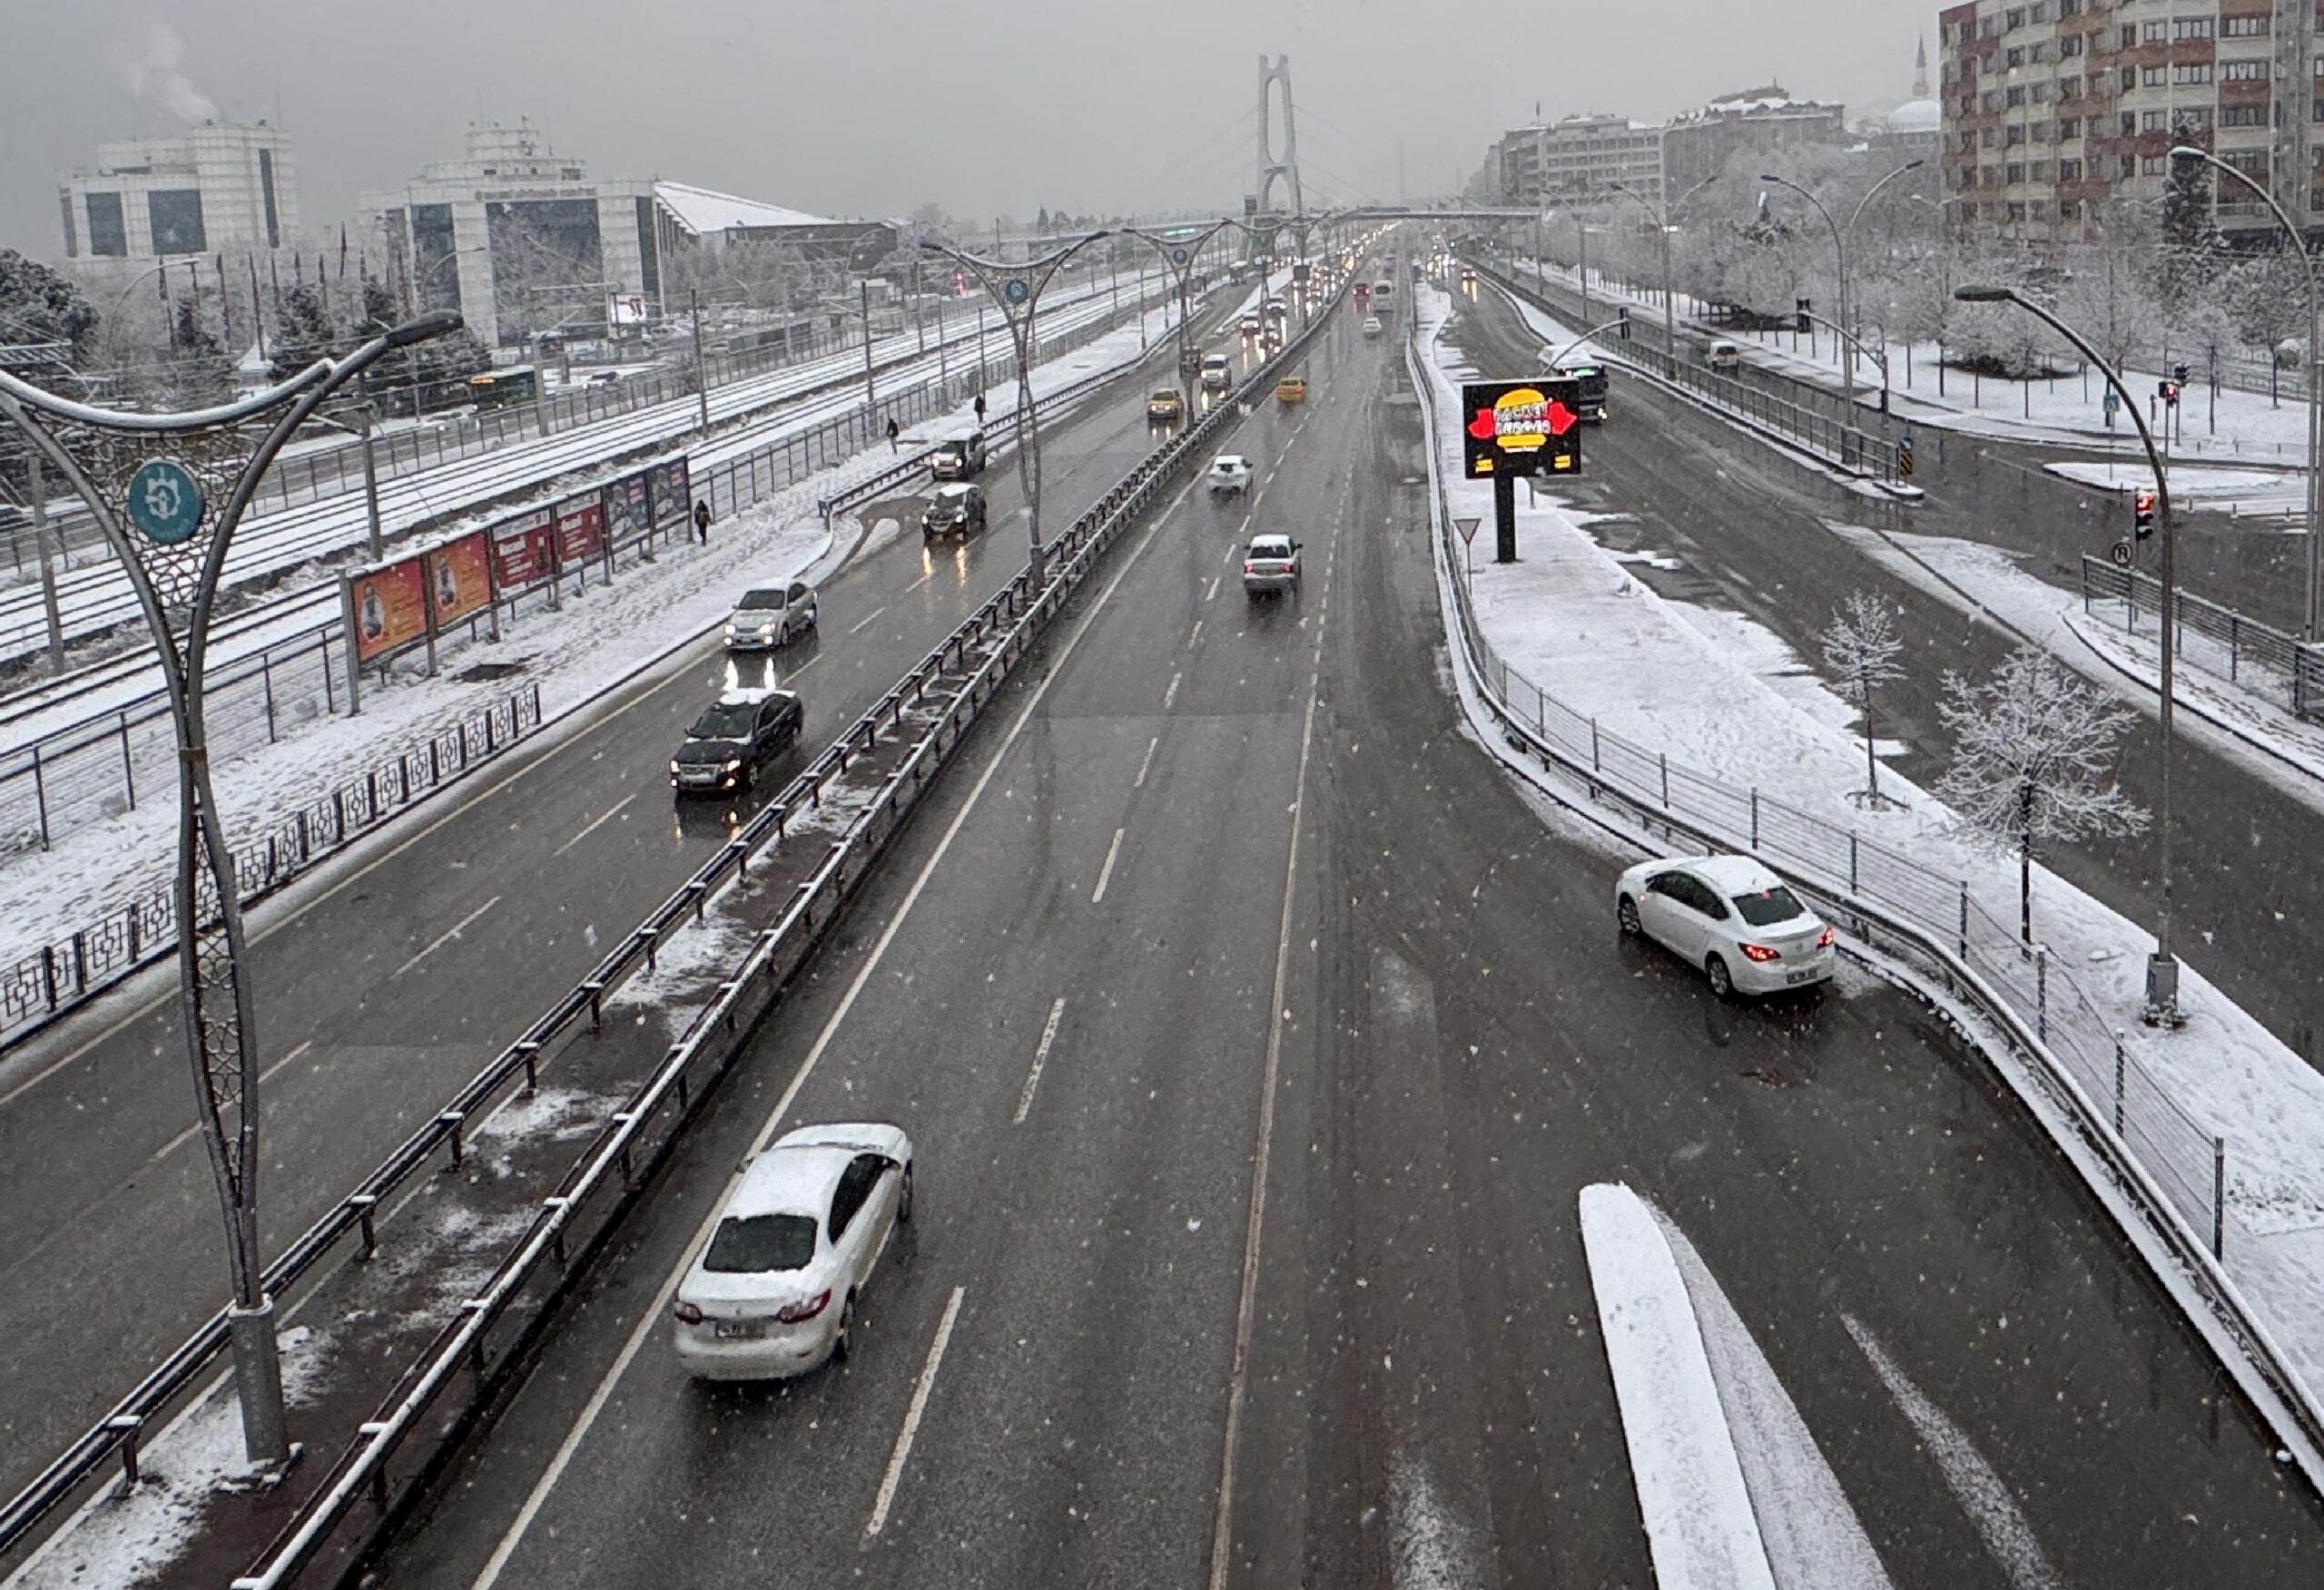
[1734,712]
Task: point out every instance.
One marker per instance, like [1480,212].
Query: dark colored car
[1592,376]
[739,734]
[953,510]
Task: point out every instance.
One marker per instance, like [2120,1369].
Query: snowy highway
[1260,1041]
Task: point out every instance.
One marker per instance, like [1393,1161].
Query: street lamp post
[1840,248]
[2312,622]
[1181,253]
[2162,967]
[1662,214]
[151,482]
[1017,286]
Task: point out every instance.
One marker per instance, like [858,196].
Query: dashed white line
[186,1136]
[1098,895]
[1145,766]
[1195,639]
[445,937]
[865,622]
[1040,1058]
[610,813]
[902,1454]
[1171,694]
[1214,584]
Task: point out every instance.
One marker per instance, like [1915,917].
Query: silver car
[1271,567]
[769,615]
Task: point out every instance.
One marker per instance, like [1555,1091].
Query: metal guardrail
[2173,1168]
[1800,424]
[361,1470]
[68,972]
[2288,668]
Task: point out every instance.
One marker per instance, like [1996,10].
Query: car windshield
[1769,907]
[752,599]
[754,1245]
[724,721]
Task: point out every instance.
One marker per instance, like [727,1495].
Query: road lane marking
[1214,584]
[864,623]
[1146,765]
[1246,525]
[1040,1058]
[594,1408]
[902,1454]
[445,937]
[599,823]
[1104,873]
[186,1136]
[1171,694]
[1195,639]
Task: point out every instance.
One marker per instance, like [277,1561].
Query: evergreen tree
[303,332]
[2191,244]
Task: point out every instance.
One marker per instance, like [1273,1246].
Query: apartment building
[1579,157]
[2057,111]
[1702,144]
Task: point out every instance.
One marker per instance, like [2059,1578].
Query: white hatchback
[774,1295]
[1731,917]
[1229,472]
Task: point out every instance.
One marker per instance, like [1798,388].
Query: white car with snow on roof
[1731,917]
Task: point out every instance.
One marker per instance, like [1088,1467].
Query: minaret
[1920,72]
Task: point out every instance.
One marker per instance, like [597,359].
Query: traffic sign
[1467,527]
[1178,256]
[1016,289]
[2122,555]
[165,502]
[1904,455]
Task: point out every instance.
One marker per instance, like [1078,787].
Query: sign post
[1519,428]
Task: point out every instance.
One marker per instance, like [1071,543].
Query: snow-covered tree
[1861,649]
[2033,748]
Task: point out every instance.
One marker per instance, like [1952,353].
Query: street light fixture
[1017,286]
[2312,622]
[1180,254]
[2162,967]
[1840,247]
[151,482]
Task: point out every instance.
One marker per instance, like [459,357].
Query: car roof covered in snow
[1733,875]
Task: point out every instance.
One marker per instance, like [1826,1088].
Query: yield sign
[1467,527]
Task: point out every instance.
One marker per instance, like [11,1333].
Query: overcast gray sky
[870,107]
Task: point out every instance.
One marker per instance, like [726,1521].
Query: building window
[2012,19]
[2014,173]
[2131,76]
[2040,94]
[2038,12]
[2016,97]
[2155,33]
[2243,27]
[2042,132]
[2243,115]
[2190,27]
[2069,127]
[2154,121]
[2154,165]
[2070,46]
[1988,140]
[2013,57]
[2194,119]
[175,215]
[2152,76]
[2017,210]
[266,192]
[2068,209]
[2013,134]
[2069,171]
[2129,124]
[108,239]
[2069,8]
[2187,72]
[2069,88]
[2040,170]
[2243,70]
[2251,162]
[2130,165]
[72,233]
[2130,34]
[2038,53]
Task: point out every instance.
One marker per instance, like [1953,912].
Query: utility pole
[540,382]
[371,488]
[47,569]
[871,396]
[701,371]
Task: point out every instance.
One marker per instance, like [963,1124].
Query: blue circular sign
[165,502]
[1016,289]
[1178,256]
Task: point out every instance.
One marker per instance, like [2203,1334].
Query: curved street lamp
[1662,213]
[153,482]
[1840,246]
[1180,254]
[2162,967]
[1017,286]
[2313,618]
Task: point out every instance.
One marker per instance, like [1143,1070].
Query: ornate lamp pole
[1179,251]
[1017,286]
[153,483]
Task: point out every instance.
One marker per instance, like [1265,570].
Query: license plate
[1796,977]
[737,1329]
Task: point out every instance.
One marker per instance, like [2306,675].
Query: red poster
[580,529]
[457,582]
[389,608]
[520,549]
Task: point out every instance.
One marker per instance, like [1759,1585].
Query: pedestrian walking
[701,520]
[892,445]
[979,408]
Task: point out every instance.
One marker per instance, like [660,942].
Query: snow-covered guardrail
[2171,1170]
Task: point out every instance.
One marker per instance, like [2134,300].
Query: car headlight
[734,764]
[673,769]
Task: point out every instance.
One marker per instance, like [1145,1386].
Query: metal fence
[1859,875]
[115,759]
[38,987]
[958,678]
[2268,662]
[1804,423]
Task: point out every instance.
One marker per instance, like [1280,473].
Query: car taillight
[1250,568]
[1759,952]
[1824,939]
[686,1311]
[800,1313]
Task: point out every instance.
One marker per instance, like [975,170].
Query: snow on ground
[1700,1523]
[2218,487]
[609,632]
[1570,619]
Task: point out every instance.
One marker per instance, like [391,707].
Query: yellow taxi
[1291,390]
[1164,407]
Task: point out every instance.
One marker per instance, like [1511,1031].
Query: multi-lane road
[1257,1039]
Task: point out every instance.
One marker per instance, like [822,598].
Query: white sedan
[1229,472]
[775,1292]
[1732,917]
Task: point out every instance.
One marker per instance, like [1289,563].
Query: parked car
[1371,325]
[1229,472]
[736,735]
[1164,407]
[1291,390]
[958,456]
[774,1291]
[769,615]
[1723,355]
[957,509]
[1730,916]
[1270,566]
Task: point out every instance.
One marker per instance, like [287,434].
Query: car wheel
[842,1343]
[903,1200]
[1723,982]
[1625,913]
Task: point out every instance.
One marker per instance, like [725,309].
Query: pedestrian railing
[2271,662]
[960,677]
[2174,1164]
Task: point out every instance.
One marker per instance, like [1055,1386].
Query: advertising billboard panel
[389,608]
[521,549]
[458,581]
[580,529]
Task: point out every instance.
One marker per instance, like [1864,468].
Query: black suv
[738,734]
[953,510]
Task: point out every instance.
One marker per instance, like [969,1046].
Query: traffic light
[2143,511]
[2179,375]
[1623,329]
[1801,307]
